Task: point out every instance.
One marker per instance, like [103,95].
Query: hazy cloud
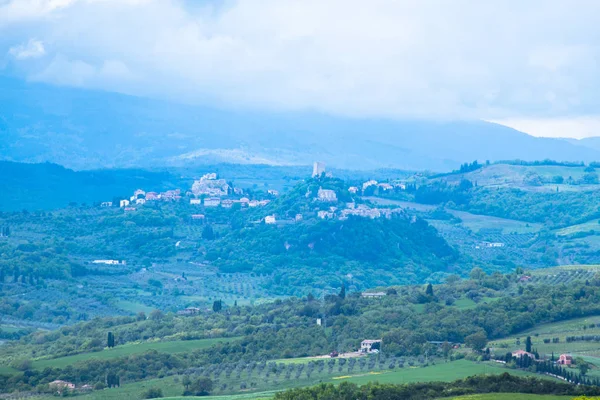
[494,59]
[32,49]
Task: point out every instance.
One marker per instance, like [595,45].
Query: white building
[270,219]
[326,195]
[353,189]
[109,262]
[138,193]
[366,346]
[140,201]
[369,183]
[318,169]
[273,192]
[370,295]
[106,204]
[325,215]
[195,201]
[212,202]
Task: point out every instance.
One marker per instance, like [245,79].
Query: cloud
[494,59]
[33,49]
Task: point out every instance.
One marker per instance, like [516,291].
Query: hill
[84,129]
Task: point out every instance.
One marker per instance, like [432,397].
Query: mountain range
[86,129]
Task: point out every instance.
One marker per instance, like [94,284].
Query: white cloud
[492,59]
[571,127]
[32,49]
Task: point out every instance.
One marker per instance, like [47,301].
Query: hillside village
[212,191]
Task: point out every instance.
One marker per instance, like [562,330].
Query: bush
[152,393]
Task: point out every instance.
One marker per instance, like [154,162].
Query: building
[368,183]
[127,209]
[61,386]
[368,346]
[196,201]
[325,215]
[208,185]
[273,192]
[522,353]
[139,193]
[298,217]
[326,195]
[123,203]
[227,203]
[140,201]
[189,311]
[253,203]
[244,201]
[198,217]
[106,204]
[152,196]
[110,262]
[565,359]
[318,169]
[370,295]
[385,186]
[353,189]
[238,191]
[212,202]
[270,219]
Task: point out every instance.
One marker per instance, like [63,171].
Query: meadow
[179,346]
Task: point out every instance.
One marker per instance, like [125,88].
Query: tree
[477,340]
[208,233]
[217,305]
[528,344]
[477,274]
[342,294]
[200,387]
[110,341]
[429,290]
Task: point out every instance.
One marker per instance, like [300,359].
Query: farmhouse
[373,294]
[522,353]
[195,201]
[61,386]
[189,311]
[110,262]
[369,346]
[565,359]
[270,220]
[353,189]
[123,203]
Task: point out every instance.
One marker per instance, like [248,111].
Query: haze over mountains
[84,129]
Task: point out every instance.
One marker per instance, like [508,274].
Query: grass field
[447,372]
[133,307]
[593,225]
[476,222]
[509,396]
[179,346]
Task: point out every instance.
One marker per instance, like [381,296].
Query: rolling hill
[83,129]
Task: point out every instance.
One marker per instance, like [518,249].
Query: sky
[532,65]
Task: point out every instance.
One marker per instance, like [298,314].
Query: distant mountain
[85,129]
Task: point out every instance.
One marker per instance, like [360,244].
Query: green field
[133,307]
[179,346]
[476,222]
[444,372]
[448,371]
[593,225]
[509,396]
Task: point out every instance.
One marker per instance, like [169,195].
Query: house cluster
[563,359]
[141,197]
[62,387]
[228,203]
[209,185]
[489,245]
[360,210]
[381,186]
[110,262]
